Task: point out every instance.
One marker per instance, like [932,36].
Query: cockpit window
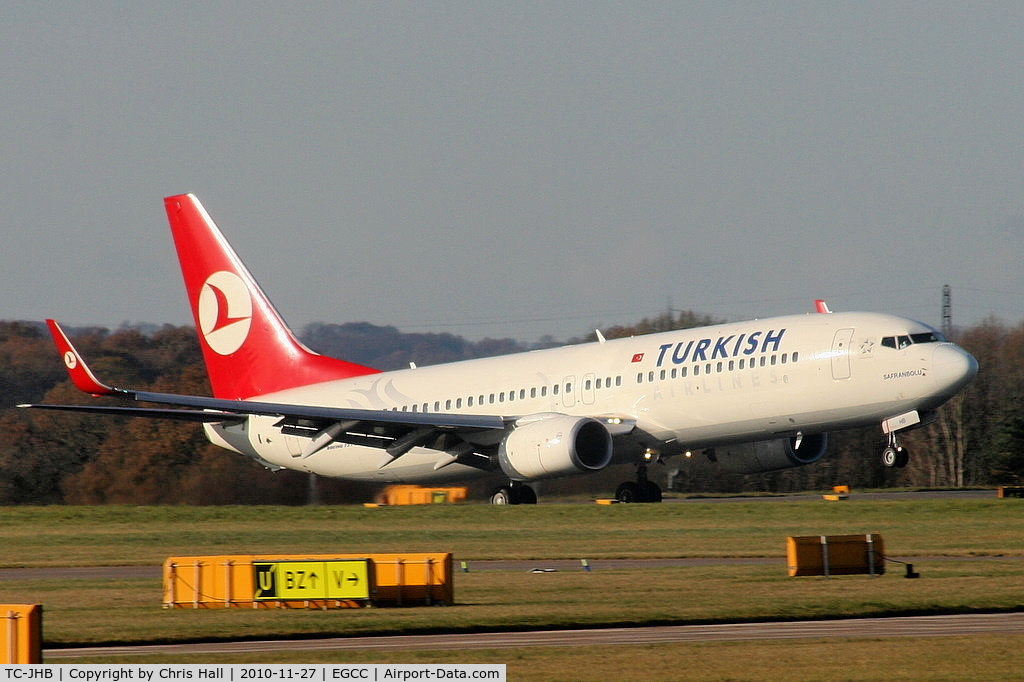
[928,337]
[900,342]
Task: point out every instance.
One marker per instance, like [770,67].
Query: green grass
[63,536]
[970,555]
[90,612]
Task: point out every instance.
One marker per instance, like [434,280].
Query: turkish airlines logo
[225,312]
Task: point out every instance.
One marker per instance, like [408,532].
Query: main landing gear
[895,455]
[643,489]
[514,493]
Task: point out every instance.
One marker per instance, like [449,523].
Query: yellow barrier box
[308,581]
[22,633]
[835,555]
[414,494]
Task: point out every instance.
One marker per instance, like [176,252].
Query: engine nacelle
[551,445]
[772,455]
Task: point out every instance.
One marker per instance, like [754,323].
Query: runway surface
[921,626]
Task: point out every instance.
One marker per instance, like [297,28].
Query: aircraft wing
[392,431]
[380,428]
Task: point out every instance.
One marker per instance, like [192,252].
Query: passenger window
[458,403]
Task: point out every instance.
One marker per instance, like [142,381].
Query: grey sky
[517,169]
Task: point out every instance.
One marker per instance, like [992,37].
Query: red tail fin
[248,349]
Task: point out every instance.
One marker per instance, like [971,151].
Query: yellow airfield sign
[300,580]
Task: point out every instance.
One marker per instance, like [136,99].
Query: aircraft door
[841,354]
[587,394]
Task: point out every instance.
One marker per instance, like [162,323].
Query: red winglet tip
[80,374]
[821,306]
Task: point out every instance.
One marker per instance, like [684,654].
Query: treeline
[73,458]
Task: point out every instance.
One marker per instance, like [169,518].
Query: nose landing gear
[895,455]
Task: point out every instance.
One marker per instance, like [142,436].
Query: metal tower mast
[947,310]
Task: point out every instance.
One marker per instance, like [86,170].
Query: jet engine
[772,455]
[551,445]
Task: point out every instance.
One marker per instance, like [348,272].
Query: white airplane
[754,396]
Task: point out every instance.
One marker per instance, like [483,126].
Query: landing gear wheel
[650,492]
[644,491]
[526,494]
[895,457]
[514,493]
[627,493]
[502,495]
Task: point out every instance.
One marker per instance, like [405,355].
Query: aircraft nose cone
[953,368]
